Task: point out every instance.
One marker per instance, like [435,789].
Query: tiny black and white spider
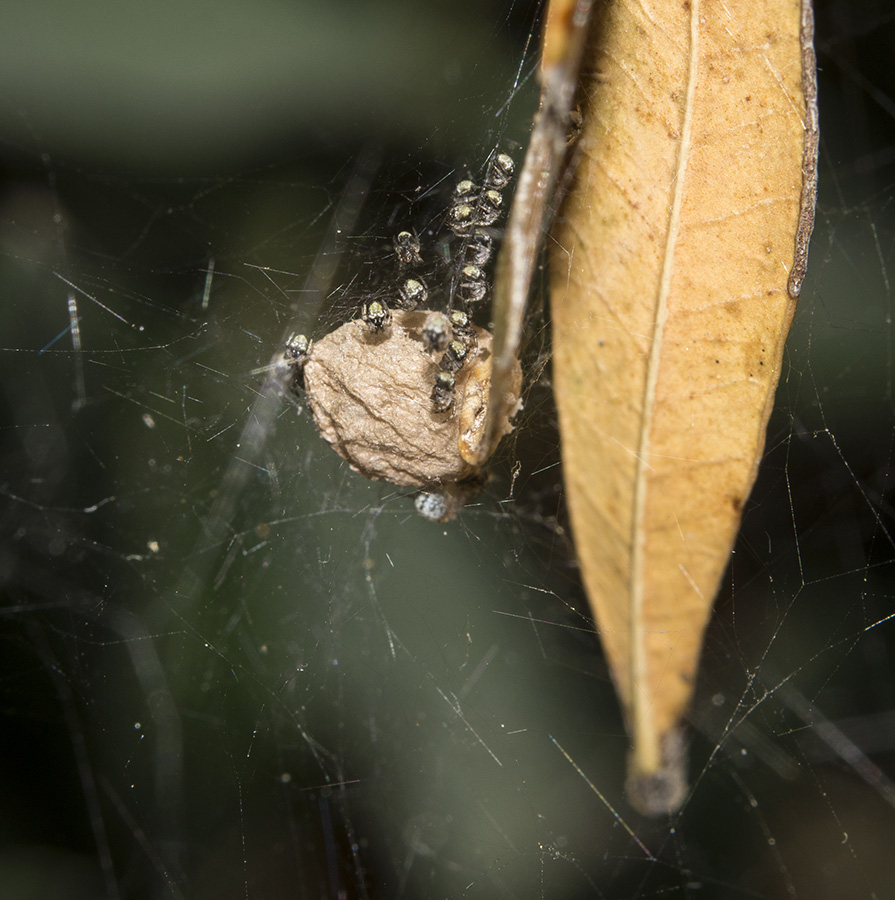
[443,391]
[407,249]
[437,332]
[296,353]
[413,292]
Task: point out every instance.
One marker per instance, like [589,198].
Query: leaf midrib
[647,753]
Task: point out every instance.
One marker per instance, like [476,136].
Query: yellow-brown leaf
[677,258]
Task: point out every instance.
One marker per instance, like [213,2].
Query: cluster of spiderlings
[458,346]
[473,210]
[411,291]
[478,207]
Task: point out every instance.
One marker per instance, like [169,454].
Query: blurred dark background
[230,667]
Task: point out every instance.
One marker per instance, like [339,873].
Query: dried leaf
[675,266]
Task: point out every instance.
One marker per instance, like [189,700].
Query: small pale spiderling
[454,357]
[462,218]
[500,171]
[413,292]
[489,207]
[472,287]
[465,191]
[461,326]
[437,332]
[296,353]
[376,314]
[431,506]
[407,249]
[479,248]
[297,349]
[443,393]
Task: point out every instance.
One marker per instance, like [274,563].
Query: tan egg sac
[371,397]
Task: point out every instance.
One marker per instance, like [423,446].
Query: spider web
[232,667]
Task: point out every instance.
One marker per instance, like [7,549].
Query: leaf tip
[662,791]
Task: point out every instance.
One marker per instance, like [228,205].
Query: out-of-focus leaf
[675,266]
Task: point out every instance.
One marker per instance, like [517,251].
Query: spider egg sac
[370,394]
